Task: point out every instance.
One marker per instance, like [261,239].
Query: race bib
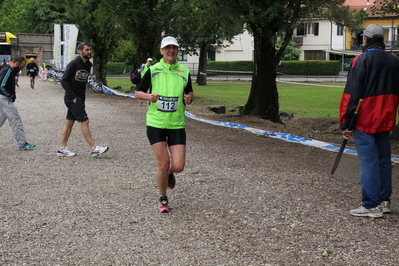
[31,70]
[167,104]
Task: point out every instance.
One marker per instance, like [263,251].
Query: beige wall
[38,46]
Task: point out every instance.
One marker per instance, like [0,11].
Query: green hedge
[230,66]
[311,67]
[115,68]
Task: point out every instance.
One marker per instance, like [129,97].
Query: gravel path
[242,199]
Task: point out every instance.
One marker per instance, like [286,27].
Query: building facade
[318,39]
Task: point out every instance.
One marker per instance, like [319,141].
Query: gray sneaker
[385,206]
[372,212]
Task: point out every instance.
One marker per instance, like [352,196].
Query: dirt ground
[323,129]
[242,199]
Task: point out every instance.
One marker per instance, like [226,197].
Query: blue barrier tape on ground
[283,136]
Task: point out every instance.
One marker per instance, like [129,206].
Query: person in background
[31,70]
[16,75]
[374,77]
[145,67]
[7,98]
[170,92]
[74,83]
[4,63]
[17,78]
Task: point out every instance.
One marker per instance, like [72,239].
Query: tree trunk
[100,68]
[263,97]
[143,53]
[202,66]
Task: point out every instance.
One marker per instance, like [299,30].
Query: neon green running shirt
[171,82]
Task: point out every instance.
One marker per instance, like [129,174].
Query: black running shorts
[76,111]
[172,136]
[32,74]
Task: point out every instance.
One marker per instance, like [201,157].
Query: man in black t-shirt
[31,70]
[74,83]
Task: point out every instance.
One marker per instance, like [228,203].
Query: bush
[230,66]
[311,67]
[115,68]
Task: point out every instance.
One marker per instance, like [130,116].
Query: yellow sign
[3,37]
[6,36]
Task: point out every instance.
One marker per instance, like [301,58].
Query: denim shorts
[76,111]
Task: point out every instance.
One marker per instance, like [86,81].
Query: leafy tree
[346,16]
[201,28]
[14,16]
[123,52]
[42,16]
[269,21]
[385,7]
[291,53]
[143,22]
[30,16]
[97,23]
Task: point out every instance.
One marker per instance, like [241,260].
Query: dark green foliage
[201,27]
[115,68]
[98,25]
[311,67]
[143,23]
[30,16]
[244,66]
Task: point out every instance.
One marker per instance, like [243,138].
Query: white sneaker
[65,153]
[98,150]
[372,212]
[385,206]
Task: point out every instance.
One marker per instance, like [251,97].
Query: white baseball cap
[169,40]
[149,59]
[373,29]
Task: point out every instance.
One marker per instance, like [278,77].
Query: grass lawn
[304,100]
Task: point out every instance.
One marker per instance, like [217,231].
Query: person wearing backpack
[145,67]
[138,73]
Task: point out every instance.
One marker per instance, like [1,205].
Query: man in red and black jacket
[373,77]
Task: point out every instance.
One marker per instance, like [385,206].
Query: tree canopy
[200,28]
[270,21]
[97,23]
[144,22]
[385,8]
[30,16]
[114,27]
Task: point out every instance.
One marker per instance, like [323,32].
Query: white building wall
[191,63]
[242,47]
[317,42]
[338,43]
[240,50]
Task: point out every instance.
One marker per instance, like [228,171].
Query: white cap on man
[169,41]
[373,29]
[150,59]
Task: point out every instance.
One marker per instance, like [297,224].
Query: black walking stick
[351,126]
